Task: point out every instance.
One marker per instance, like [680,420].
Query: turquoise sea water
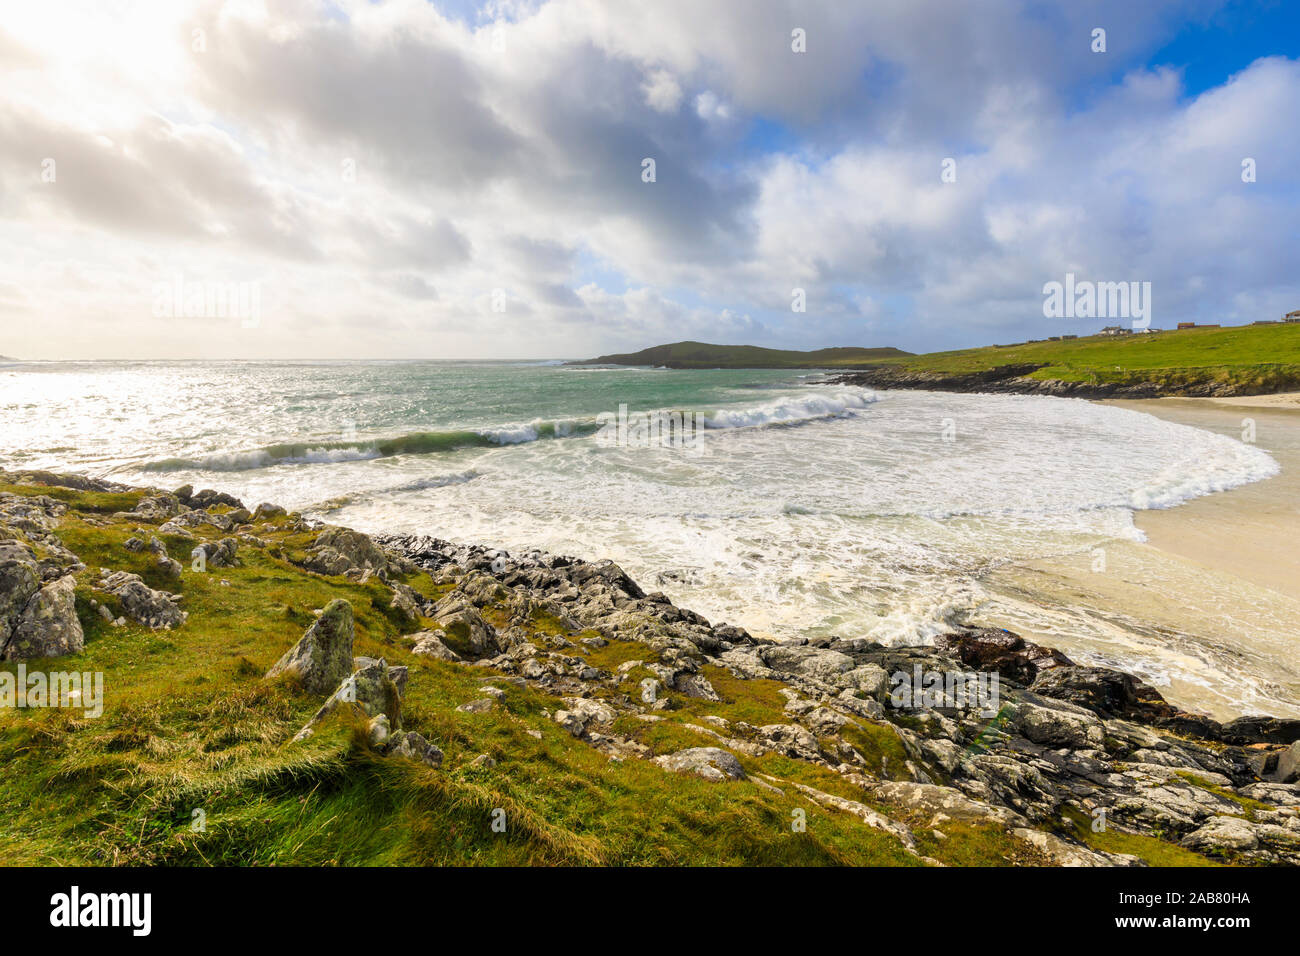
[797,509]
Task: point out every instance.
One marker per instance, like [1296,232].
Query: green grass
[190,725]
[1266,357]
[1154,851]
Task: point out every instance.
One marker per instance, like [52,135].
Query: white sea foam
[880,516]
[791,409]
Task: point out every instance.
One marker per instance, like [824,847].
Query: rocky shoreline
[1061,750]
[1015,380]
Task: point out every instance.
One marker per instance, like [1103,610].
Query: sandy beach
[1210,601]
[1250,532]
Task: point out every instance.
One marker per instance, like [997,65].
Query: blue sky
[460,180]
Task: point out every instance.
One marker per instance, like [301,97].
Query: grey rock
[48,626]
[144,605]
[430,645]
[338,550]
[711,763]
[370,691]
[697,686]
[20,579]
[323,656]
[819,663]
[217,554]
[413,746]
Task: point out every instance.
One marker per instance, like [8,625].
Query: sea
[771,499]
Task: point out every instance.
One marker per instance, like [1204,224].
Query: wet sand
[1207,608]
[1251,532]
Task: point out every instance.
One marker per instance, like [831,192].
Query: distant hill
[702,355]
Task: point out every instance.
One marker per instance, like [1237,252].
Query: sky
[201,179]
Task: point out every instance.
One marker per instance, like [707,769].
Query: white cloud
[381,166]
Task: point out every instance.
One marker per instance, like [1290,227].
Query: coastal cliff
[313,694]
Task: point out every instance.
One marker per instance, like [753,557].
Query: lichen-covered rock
[265,512]
[462,622]
[154,609]
[168,565]
[20,579]
[48,626]
[407,600]
[697,686]
[431,645]
[339,550]
[814,662]
[198,519]
[413,746]
[217,554]
[711,763]
[1059,726]
[323,656]
[791,740]
[158,508]
[370,690]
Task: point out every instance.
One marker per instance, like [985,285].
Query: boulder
[339,550]
[1288,765]
[1058,727]
[413,746]
[1261,730]
[217,554]
[48,626]
[465,624]
[20,579]
[791,740]
[815,662]
[1223,833]
[711,763]
[208,498]
[581,712]
[144,605]
[1107,692]
[157,508]
[370,691]
[695,685]
[591,710]
[407,600]
[824,722]
[323,656]
[993,649]
[430,645]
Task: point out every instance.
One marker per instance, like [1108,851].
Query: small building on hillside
[1186,325]
[1292,316]
[1115,330]
[1067,338]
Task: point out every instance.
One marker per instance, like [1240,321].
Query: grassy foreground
[190,762]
